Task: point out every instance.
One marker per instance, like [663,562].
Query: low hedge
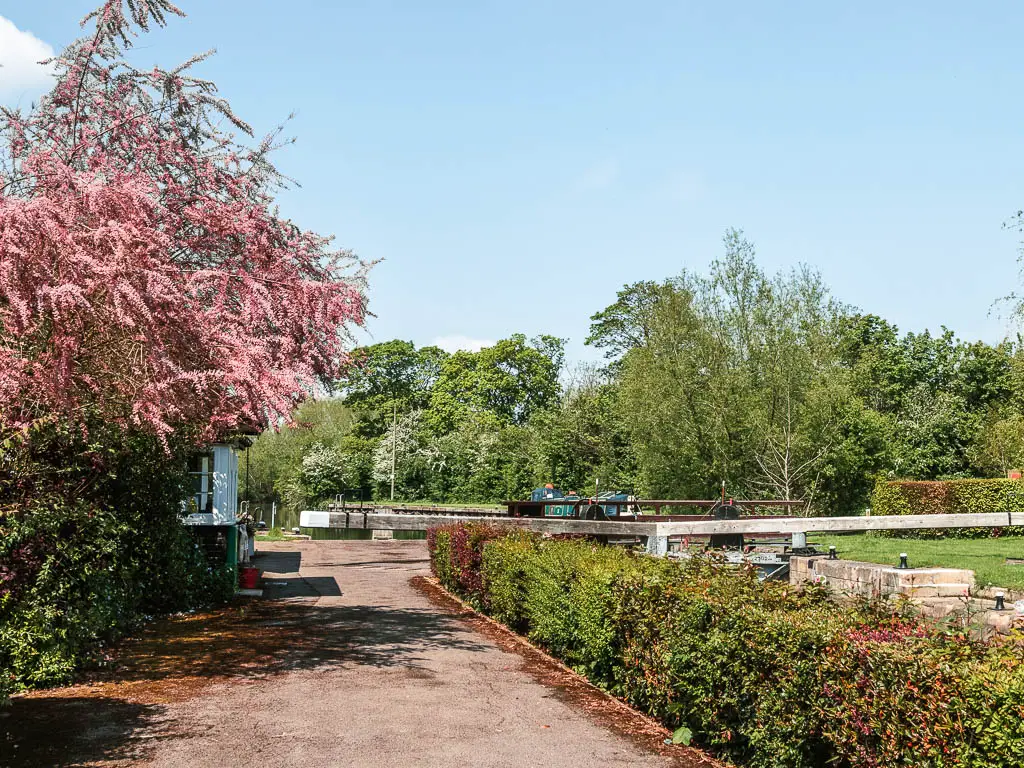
[759,673]
[946,497]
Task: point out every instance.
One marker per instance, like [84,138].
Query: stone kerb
[855,578]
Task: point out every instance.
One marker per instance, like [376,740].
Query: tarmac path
[349,659]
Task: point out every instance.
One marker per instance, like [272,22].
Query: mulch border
[571,687]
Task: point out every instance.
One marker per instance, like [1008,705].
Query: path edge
[576,690]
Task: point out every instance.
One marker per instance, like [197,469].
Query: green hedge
[91,545]
[759,673]
[943,497]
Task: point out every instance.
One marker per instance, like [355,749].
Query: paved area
[345,662]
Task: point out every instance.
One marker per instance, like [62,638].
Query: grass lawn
[986,557]
[271,534]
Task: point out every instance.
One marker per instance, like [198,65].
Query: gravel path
[345,662]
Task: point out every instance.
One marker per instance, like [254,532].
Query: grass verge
[271,534]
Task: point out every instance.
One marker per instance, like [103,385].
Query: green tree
[936,393]
[389,376]
[626,324]
[1000,445]
[582,439]
[511,379]
[403,447]
[291,464]
[732,383]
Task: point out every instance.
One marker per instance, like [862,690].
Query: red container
[248,577]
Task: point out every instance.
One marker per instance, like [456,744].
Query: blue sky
[514,164]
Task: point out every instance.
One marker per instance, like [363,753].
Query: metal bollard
[903,560]
[1000,601]
[832,553]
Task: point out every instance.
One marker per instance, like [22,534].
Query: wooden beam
[651,527]
[838,524]
[416,508]
[400,522]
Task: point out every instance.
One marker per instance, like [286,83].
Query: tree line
[765,381]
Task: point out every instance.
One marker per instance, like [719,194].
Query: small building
[212,505]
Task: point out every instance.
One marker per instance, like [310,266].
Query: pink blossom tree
[146,278]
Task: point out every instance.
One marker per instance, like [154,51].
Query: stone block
[915,577]
[936,590]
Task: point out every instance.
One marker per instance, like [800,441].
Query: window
[200,471]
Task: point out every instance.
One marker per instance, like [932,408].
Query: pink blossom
[145,276]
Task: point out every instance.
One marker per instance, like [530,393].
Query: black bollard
[1000,601]
[832,553]
[903,560]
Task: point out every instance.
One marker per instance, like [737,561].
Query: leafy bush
[733,660]
[760,673]
[945,497]
[503,566]
[90,545]
[439,543]
[894,690]
[993,691]
[456,557]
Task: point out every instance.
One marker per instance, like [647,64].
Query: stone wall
[851,577]
[939,593]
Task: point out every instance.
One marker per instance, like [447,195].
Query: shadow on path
[261,638]
[278,561]
[278,587]
[117,712]
[59,731]
[269,638]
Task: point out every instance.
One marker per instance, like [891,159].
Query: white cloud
[20,54]
[456,342]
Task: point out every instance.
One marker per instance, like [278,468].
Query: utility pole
[394,446]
